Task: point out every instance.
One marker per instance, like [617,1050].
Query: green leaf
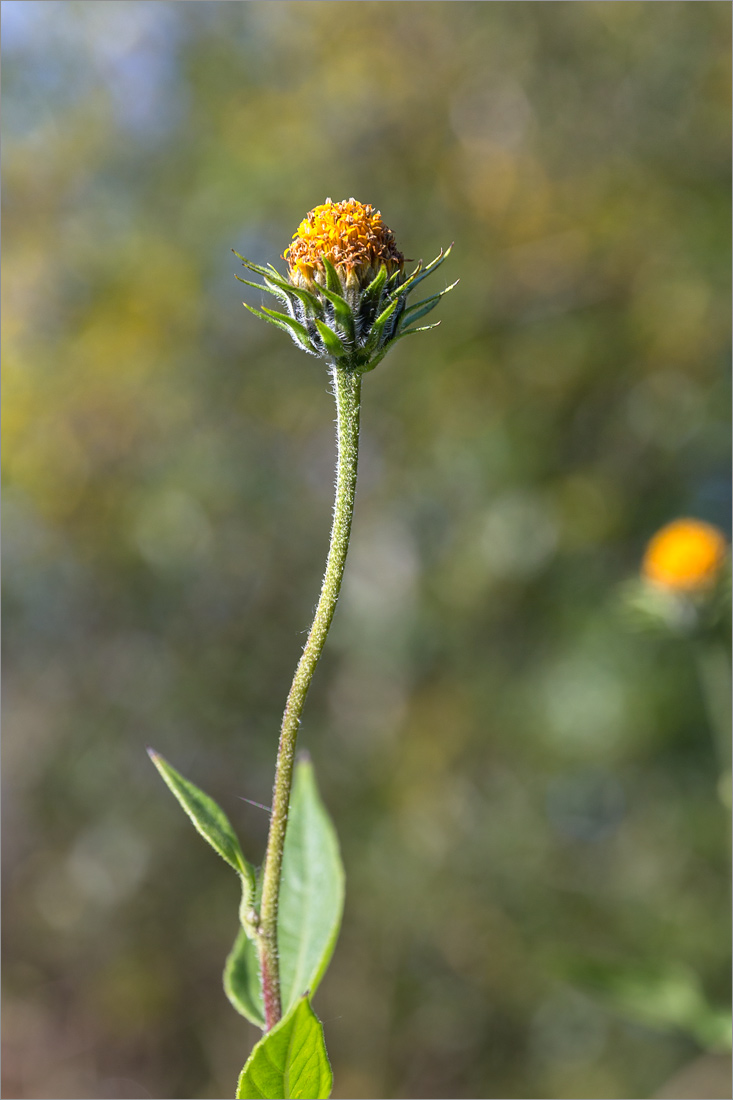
[242,983]
[312,891]
[311,903]
[209,819]
[290,1062]
[330,339]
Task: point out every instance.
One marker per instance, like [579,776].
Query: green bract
[348,326]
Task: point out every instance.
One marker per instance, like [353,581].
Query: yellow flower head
[352,236]
[685,556]
[346,292]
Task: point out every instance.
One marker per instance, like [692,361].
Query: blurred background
[526,789]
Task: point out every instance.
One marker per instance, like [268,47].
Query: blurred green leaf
[209,819]
[664,998]
[312,893]
[311,904]
[242,979]
[290,1061]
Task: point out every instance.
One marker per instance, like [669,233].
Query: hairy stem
[347,388]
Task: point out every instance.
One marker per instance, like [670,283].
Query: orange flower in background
[686,555]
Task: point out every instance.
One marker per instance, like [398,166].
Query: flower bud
[346,292]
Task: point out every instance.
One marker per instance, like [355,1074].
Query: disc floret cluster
[346,294]
[352,237]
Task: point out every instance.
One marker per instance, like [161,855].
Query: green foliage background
[525,791]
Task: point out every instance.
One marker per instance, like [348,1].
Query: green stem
[347,389]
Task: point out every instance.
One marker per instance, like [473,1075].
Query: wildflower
[686,556]
[346,291]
